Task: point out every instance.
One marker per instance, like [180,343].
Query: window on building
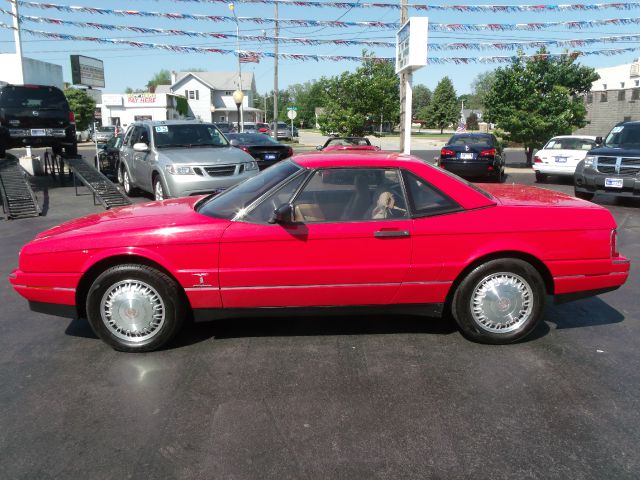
[621,84]
[192,95]
[604,86]
[621,95]
[635,94]
[603,96]
[228,92]
[223,118]
[637,83]
[589,97]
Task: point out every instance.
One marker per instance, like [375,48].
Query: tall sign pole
[275,75]
[404,16]
[411,54]
[18,38]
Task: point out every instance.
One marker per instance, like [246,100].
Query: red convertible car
[318,230]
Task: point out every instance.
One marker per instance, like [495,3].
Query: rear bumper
[603,276]
[472,168]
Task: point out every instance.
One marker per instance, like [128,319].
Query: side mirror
[234,143]
[319,147]
[599,141]
[283,214]
[141,147]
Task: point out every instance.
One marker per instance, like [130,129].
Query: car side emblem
[466,148]
[35,113]
[201,279]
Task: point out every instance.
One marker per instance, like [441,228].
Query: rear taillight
[491,152]
[72,117]
[614,243]
[445,152]
[537,159]
[289,152]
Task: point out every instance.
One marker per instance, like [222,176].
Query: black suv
[36,115]
[612,167]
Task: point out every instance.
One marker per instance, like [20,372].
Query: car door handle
[391,233]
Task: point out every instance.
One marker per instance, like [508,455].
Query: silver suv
[177,158]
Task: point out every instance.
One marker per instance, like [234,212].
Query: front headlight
[589,160]
[248,166]
[179,170]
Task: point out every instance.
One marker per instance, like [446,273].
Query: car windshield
[252,139]
[570,144]
[469,140]
[348,141]
[49,98]
[624,136]
[234,201]
[188,135]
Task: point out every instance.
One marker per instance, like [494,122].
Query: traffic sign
[292,108]
[292,114]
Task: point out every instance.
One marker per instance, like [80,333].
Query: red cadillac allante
[322,232]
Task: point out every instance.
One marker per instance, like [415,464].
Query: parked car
[613,166]
[361,144]
[108,158]
[263,148]
[223,127]
[104,134]
[561,155]
[263,128]
[177,158]
[402,235]
[284,131]
[83,135]
[473,155]
[37,116]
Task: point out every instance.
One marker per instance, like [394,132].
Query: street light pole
[240,107]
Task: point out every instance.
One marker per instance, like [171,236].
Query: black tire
[500,175]
[56,150]
[159,192]
[71,150]
[126,294]
[128,188]
[492,320]
[541,177]
[583,195]
[119,169]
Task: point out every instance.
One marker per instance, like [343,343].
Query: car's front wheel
[158,190]
[541,177]
[135,308]
[499,302]
[126,183]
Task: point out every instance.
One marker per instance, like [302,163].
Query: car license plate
[613,182]
[561,159]
[38,132]
[270,156]
[466,156]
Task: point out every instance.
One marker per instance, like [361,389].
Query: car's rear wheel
[71,150]
[56,150]
[499,302]
[135,308]
[500,175]
[120,179]
[584,195]
[541,177]
[126,183]
[158,189]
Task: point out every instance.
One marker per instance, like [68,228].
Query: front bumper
[589,180]
[186,185]
[46,288]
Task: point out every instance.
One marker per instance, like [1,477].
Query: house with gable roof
[210,95]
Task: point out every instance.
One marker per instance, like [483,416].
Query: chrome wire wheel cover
[502,302]
[132,310]
[125,181]
[158,192]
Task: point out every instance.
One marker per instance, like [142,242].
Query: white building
[210,95]
[35,71]
[123,108]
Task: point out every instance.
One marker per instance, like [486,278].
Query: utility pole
[404,122]
[18,39]
[275,75]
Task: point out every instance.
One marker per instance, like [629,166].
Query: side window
[351,195]
[127,137]
[135,136]
[144,135]
[426,200]
[263,212]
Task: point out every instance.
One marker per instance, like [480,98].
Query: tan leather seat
[308,212]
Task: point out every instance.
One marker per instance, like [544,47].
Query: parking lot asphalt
[379,397]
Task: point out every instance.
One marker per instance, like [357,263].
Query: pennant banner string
[436,27]
[345,42]
[305,57]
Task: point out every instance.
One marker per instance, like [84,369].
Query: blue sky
[127,66]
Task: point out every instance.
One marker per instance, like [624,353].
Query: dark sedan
[263,148]
[108,158]
[473,155]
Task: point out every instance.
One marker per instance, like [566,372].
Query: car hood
[615,152]
[203,155]
[523,195]
[144,218]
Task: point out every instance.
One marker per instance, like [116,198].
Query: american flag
[462,125]
[249,57]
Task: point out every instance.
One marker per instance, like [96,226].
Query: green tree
[538,97]
[353,100]
[472,121]
[480,87]
[421,98]
[82,105]
[163,77]
[443,109]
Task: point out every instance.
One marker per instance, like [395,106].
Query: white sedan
[561,155]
